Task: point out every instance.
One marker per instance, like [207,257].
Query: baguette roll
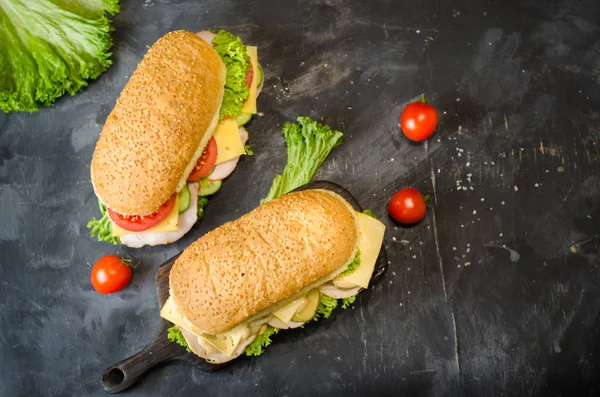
[160,125]
[246,269]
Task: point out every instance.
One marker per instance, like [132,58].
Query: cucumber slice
[208,187]
[184,199]
[259,76]
[243,118]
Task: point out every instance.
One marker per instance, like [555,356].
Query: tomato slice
[139,223]
[205,162]
[250,75]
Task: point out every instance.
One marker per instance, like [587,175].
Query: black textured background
[496,293]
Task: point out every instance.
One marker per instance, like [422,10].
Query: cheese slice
[229,142]
[286,313]
[369,243]
[225,342]
[250,104]
[169,224]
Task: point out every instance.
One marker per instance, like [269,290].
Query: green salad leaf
[237,62]
[202,202]
[249,151]
[370,213]
[102,228]
[50,48]
[174,334]
[353,265]
[326,307]
[308,145]
[346,302]
[257,347]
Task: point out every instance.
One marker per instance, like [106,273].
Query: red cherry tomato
[249,75]
[206,161]
[407,206]
[110,274]
[418,121]
[139,223]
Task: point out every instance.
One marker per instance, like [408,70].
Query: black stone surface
[496,293]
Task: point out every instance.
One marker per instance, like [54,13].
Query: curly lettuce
[347,302]
[237,62]
[370,213]
[308,145]
[102,228]
[174,335]
[257,347]
[353,265]
[50,48]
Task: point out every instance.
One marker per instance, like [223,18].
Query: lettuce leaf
[102,228]
[174,334]
[202,202]
[257,347]
[308,145]
[326,307]
[237,62]
[50,48]
[370,213]
[346,302]
[353,265]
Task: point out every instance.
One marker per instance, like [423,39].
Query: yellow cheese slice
[225,342]
[229,142]
[369,243]
[286,313]
[250,104]
[169,224]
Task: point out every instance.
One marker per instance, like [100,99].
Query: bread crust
[166,111]
[246,268]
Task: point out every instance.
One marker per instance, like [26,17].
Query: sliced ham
[187,219]
[206,36]
[338,293]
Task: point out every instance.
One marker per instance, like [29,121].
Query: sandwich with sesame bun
[282,265]
[174,134]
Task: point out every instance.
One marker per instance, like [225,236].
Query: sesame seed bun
[160,125]
[247,268]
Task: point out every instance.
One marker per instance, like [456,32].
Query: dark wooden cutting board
[124,374]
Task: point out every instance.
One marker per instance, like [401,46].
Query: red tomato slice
[205,162]
[139,223]
[250,75]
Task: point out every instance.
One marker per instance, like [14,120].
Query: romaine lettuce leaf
[102,228]
[308,145]
[237,62]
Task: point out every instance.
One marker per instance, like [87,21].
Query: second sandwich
[278,267]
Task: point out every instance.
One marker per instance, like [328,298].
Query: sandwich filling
[252,336]
[216,158]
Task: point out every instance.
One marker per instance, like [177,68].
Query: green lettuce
[202,202]
[370,213]
[237,62]
[174,334]
[257,347]
[308,145]
[102,228]
[346,302]
[353,265]
[50,48]
[326,306]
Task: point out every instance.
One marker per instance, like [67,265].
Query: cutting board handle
[124,374]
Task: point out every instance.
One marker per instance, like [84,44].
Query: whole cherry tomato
[407,206]
[418,120]
[110,274]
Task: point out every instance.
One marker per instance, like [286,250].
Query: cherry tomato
[110,274]
[249,75]
[418,120]
[205,162]
[407,206]
[139,223]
